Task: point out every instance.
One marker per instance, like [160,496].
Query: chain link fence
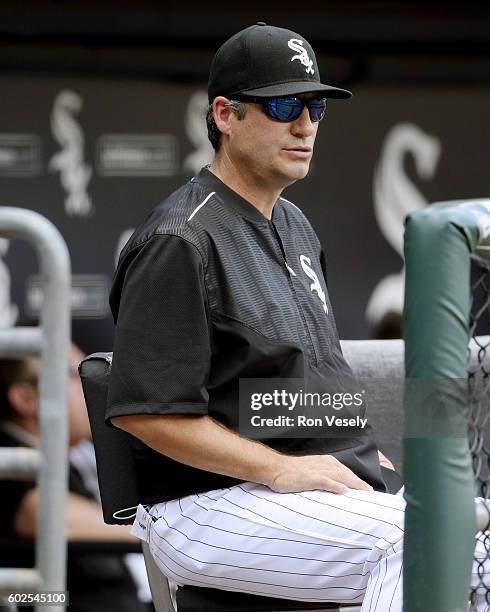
[479,410]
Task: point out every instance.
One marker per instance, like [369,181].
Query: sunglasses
[289,108]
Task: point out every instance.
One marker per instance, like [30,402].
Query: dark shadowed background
[101,116]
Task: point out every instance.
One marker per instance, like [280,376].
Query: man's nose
[303,125]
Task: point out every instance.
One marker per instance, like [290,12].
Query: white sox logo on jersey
[315,285]
[296,44]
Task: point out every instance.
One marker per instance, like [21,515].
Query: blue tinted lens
[284,109]
[289,108]
[317,109]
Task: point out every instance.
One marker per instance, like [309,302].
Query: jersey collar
[233,200]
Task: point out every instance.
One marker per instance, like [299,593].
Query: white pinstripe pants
[313,546]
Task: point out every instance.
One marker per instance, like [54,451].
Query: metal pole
[55,272]
[20,341]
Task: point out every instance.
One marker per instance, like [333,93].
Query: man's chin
[290,173]
[299,171]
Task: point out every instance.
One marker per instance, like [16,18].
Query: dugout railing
[49,341]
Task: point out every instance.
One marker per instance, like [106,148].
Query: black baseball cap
[264,61]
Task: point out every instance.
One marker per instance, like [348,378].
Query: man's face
[276,153]
[24,398]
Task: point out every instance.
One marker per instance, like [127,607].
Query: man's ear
[23,398]
[222,113]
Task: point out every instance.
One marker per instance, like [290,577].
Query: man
[223,282]
[95,582]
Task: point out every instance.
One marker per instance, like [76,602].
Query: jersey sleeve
[162,344]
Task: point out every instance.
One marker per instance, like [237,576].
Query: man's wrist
[273,467]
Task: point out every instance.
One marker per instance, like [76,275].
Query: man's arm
[202,442]
[83,519]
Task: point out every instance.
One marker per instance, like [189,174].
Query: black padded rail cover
[113,452]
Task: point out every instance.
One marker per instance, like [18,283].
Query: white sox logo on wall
[296,44]
[395,195]
[69,162]
[315,285]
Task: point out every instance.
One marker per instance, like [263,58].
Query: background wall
[101,117]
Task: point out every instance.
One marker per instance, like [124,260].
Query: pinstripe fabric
[311,546]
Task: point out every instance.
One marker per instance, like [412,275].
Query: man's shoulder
[173,217]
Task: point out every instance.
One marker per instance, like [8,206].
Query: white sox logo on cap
[296,44]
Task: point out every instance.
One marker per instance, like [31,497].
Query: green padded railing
[439,483]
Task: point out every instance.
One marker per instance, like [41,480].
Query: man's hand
[384,461]
[323,472]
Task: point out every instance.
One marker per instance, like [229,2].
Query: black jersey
[209,291]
